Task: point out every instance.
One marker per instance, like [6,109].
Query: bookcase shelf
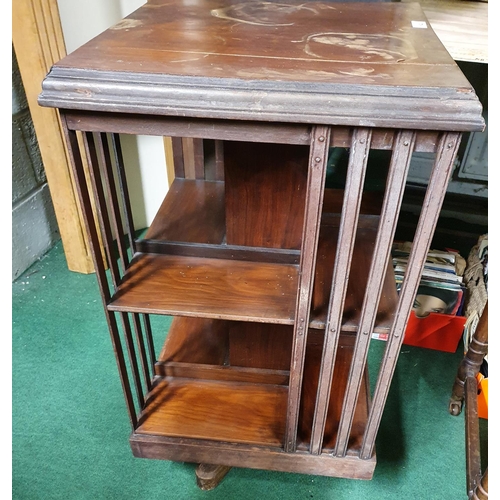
[251,290]
[274,280]
[200,367]
[214,288]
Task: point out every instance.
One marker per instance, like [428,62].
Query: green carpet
[70,428]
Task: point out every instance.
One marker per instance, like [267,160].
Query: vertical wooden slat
[122,179]
[219,160]
[100,203]
[358,158]
[178,156]
[132,358]
[199,159]
[438,182]
[318,157]
[98,261]
[147,371]
[112,196]
[192,150]
[149,340]
[169,159]
[398,171]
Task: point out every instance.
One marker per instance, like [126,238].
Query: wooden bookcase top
[362,64]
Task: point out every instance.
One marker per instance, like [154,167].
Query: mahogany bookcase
[275,281]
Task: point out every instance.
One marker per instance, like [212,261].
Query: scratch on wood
[368,73]
[85,92]
[189,60]
[358,71]
[260,13]
[126,24]
[389,48]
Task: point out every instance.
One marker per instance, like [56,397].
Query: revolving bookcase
[275,277]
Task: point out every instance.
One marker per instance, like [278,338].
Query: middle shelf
[181,273]
[213,288]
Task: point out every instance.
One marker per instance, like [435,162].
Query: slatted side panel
[358,158]
[436,190]
[98,258]
[131,334]
[398,170]
[404,145]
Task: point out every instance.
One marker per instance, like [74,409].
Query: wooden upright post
[38,43]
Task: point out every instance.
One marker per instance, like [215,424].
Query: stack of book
[441,289]
[436,320]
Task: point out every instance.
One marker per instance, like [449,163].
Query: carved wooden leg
[469,367]
[481,490]
[209,476]
[465,391]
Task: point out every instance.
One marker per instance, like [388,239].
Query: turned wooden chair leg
[481,490]
[465,391]
[471,363]
[209,476]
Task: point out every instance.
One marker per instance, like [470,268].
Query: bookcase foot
[209,476]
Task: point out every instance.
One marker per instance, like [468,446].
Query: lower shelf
[212,404]
[235,412]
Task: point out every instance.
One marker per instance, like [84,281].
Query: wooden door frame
[38,43]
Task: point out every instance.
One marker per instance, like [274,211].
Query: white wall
[144,156]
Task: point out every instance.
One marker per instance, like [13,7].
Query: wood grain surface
[266,188]
[214,288]
[363,64]
[292,41]
[219,411]
[192,211]
[462,27]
